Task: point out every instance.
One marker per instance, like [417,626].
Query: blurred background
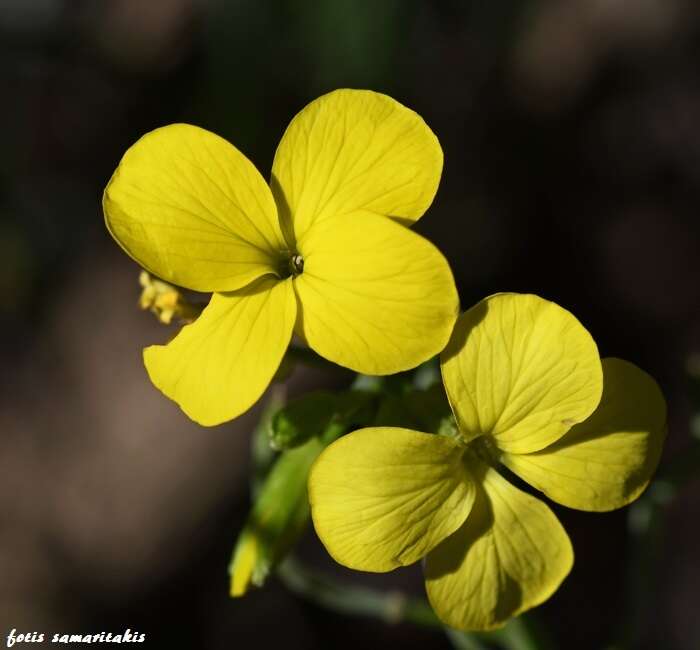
[572,149]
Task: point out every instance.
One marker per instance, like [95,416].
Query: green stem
[390,607]
[395,607]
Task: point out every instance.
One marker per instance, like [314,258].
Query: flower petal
[383,497]
[511,554]
[605,462]
[355,150]
[375,296]
[191,209]
[217,367]
[521,369]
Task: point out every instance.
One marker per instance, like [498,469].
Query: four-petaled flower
[528,392]
[323,252]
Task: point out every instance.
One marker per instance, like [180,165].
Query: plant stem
[390,607]
[395,607]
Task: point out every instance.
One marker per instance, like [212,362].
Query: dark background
[572,170]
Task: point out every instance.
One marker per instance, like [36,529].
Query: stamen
[484,448]
[296,264]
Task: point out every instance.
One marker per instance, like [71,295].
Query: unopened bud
[277,519]
[165,301]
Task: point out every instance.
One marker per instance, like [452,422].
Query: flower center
[291,264]
[296,264]
[484,448]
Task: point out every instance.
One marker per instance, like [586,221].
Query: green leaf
[309,416]
[356,408]
[302,419]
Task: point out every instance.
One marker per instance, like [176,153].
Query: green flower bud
[277,519]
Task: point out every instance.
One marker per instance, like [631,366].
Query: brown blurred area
[572,170]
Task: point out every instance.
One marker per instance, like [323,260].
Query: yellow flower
[314,253]
[529,392]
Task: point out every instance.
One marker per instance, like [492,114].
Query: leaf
[302,419]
